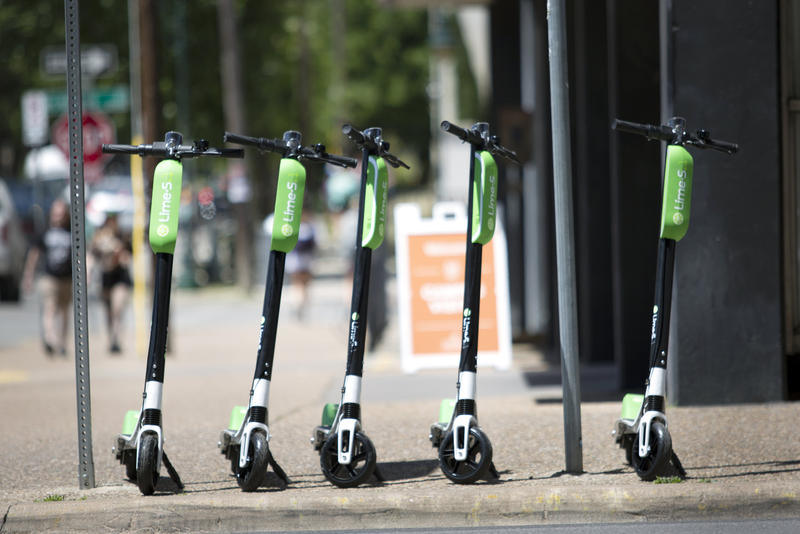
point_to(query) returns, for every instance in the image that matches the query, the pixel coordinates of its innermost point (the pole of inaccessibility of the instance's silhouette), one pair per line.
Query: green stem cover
(677, 201)
(165, 205)
(375, 203)
(288, 205)
(484, 198)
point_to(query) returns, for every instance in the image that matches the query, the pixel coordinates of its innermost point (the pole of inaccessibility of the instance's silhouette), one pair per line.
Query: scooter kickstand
(493, 471)
(278, 469)
(377, 473)
(677, 464)
(173, 474)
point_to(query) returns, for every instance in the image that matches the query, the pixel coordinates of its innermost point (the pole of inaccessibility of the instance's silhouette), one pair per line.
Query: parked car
(13, 247)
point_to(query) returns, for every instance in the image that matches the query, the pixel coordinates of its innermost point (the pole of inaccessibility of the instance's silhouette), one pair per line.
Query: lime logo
(162, 230)
(467, 312)
(263, 320)
(677, 217)
(355, 316)
(655, 309)
(287, 230)
(491, 224)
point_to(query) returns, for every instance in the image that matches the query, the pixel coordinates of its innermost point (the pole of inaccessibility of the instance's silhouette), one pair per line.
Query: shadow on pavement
(394, 471)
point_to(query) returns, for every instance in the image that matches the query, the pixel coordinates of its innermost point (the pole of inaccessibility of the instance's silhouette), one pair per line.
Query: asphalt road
(763, 526)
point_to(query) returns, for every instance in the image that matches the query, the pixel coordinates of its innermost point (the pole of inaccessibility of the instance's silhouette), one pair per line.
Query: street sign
(114, 99)
(430, 288)
(35, 126)
(96, 60)
(97, 130)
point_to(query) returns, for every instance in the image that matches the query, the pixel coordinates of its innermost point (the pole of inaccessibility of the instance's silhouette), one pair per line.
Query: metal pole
(565, 238)
(85, 458)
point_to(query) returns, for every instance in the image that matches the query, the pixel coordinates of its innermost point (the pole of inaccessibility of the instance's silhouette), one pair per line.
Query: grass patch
(704, 480)
(53, 497)
(668, 480)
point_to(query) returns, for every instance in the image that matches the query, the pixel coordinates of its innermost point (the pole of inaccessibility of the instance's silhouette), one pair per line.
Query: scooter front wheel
(651, 465)
(361, 466)
(252, 475)
(146, 472)
(477, 463)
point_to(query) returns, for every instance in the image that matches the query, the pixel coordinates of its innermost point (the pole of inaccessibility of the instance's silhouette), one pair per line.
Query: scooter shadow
(781, 466)
(400, 471)
(394, 473)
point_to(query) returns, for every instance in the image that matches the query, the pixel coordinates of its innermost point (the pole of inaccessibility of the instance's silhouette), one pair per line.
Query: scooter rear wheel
(650, 466)
(361, 466)
(477, 464)
(252, 475)
(146, 466)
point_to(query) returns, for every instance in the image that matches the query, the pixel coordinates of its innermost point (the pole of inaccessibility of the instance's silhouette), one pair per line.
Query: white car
(12, 247)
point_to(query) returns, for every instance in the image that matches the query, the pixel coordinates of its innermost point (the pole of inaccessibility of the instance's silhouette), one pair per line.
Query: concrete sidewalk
(742, 461)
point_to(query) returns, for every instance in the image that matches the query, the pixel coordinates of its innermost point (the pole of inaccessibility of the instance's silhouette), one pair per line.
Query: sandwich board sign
(430, 255)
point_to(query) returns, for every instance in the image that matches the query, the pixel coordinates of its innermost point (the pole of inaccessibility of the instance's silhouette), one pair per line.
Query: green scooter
(140, 446)
(246, 440)
(642, 429)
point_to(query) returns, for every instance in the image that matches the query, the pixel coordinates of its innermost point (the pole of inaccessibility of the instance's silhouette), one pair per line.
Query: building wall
(725, 342)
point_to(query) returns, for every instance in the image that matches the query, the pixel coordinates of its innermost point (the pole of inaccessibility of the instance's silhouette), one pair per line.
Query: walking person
(298, 260)
(54, 246)
(111, 251)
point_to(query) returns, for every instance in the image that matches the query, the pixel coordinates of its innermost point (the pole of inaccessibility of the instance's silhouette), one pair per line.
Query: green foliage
(53, 497)
(668, 480)
(309, 65)
(26, 28)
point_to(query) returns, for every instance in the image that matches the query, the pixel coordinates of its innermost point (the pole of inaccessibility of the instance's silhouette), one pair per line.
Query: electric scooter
(347, 456)
(465, 452)
(140, 447)
(246, 441)
(642, 429)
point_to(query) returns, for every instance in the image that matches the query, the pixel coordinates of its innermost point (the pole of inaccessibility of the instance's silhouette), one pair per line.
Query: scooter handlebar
(354, 134)
(317, 153)
(272, 145)
(381, 150)
(702, 139)
(650, 131)
(468, 136)
(179, 151)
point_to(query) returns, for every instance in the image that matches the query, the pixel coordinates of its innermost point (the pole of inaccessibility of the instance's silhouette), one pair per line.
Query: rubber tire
(362, 463)
(253, 474)
(479, 458)
(651, 466)
(146, 466)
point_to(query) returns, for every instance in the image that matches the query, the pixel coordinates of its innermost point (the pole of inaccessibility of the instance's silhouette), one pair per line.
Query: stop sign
(97, 129)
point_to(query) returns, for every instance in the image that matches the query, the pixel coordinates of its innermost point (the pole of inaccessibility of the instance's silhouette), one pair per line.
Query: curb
(486, 505)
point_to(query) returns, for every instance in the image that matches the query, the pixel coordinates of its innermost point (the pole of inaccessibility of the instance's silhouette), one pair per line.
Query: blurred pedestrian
(111, 251)
(55, 283)
(298, 260)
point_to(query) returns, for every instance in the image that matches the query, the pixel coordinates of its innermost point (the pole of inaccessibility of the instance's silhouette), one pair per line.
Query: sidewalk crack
(5, 517)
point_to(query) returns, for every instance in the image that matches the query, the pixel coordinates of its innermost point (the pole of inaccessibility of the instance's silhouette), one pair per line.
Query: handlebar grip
(451, 128)
(354, 134)
(506, 153)
(230, 152)
(120, 149)
(469, 136)
(343, 161)
(260, 142)
(650, 131)
(723, 146)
